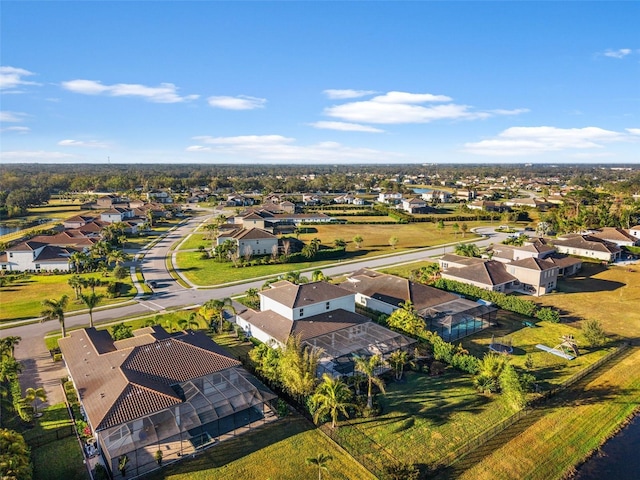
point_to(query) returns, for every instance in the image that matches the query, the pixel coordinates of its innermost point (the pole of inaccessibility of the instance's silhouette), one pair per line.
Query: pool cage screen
(458, 318)
(215, 407)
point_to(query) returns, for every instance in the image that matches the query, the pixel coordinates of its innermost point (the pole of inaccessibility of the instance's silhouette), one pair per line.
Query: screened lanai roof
(206, 399)
(450, 313)
(365, 339)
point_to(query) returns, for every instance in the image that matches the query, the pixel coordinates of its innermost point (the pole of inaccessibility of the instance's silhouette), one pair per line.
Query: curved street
(40, 370)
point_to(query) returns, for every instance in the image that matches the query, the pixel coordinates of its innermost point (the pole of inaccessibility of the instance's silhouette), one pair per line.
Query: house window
(4, 267)
(301, 312)
(37, 266)
(10, 254)
(327, 305)
(257, 242)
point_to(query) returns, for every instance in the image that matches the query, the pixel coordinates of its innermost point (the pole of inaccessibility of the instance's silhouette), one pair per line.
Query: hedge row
(506, 302)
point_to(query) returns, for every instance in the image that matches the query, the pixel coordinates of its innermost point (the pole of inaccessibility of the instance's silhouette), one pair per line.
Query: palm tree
(118, 257)
(368, 366)
(190, 322)
(467, 250)
(92, 283)
(297, 367)
(398, 360)
(32, 395)
(8, 346)
(9, 369)
(91, 301)
(319, 276)
(78, 259)
(320, 461)
(215, 308)
(76, 282)
(295, 277)
(331, 398)
(55, 309)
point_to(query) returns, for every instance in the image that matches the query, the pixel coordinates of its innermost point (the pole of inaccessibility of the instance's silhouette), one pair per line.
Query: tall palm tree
(52, 308)
(92, 283)
(332, 397)
(298, 364)
(214, 310)
(118, 257)
(295, 277)
(319, 276)
(368, 367)
(91, 301)
(32, 395)
(191, 322)
(320, 461)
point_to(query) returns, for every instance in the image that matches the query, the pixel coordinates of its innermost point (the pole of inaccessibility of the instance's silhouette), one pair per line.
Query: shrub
(548, 314)
(437, 368)
(594, 333)
(57, 357)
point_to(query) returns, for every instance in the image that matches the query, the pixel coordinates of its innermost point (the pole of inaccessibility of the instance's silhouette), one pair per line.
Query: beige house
(587, 246)
(534, 276)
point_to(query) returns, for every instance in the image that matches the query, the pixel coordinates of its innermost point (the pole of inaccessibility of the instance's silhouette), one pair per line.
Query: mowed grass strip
(578, 422)
(22, 299)
(277, 451)
(196, 240)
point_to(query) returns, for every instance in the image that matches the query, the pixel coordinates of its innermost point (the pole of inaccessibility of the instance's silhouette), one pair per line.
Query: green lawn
(195, 240)
(277, 451)
(423, 419)
(55, 458)
(23, 299)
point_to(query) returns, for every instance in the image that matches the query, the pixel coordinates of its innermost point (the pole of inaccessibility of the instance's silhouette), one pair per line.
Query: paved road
(39, 370)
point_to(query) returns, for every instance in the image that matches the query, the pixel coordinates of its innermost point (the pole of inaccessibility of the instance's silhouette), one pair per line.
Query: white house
(253, 240)
(38, 256)
(115, 215)
(587, 246)
(437, 196)
(635, 231)
(413, 205)
(393, 198)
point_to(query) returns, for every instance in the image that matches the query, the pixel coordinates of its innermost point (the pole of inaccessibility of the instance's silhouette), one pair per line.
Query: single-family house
(36, 256)
(323, 316)
(587, 246)
(445, 313)
(635, 232)
(437, 196)
(77, 221)
(534, 276)
(116, 214)
(390, 198)
(619, 236)
(250, 241)
(414, 205)
(176, 394)
(489, 275)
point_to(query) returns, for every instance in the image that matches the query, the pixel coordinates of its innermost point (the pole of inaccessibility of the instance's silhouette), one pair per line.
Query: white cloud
(82, 143)
(405, 97)
(13, 117)
(404, 107)
(515, 111)
(344, 94)
(633, 131)
(165, 93)
(345, 127)
(620, 53)
(21, 130)
(279, 148)
(11, 77)
(535, 140)
(241, 102)
(30, 156)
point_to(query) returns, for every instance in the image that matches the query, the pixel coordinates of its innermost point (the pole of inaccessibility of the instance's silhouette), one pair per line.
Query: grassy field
(608, 294)
(423, 419)
(572, 426)
(195, 240)
(277, 452)
(23, 299)
(376, 242)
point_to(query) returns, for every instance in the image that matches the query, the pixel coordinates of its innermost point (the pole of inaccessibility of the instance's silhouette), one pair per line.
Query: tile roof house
(176, 393)
(445, 313)
(33, 255)
(414, 205)
(489, 275)
(587, 246)
(619, 236)
(635, 231)
(250, 241)
(323, 316)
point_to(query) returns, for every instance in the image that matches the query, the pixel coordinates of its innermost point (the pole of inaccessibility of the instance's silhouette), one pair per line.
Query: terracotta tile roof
(29, 245)
(296, 296)
(460, 259)
(394, 290)
(118, 382)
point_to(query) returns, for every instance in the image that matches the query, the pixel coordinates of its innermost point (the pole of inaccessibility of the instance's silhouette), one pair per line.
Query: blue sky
(320, 82)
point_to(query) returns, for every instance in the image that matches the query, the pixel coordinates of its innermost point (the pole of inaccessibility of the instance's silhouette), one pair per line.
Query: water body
(4, 230)
(618, 457)
(421, 190)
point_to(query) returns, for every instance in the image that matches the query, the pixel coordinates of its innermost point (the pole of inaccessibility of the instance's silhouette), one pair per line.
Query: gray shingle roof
(296, 296)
